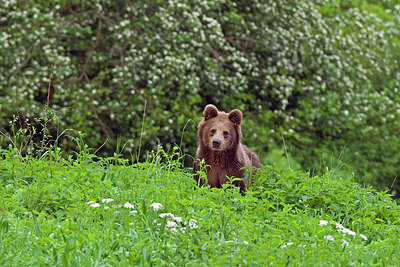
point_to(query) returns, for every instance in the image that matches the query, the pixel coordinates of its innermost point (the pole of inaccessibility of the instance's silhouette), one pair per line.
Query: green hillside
(322, 74)
(89, 210)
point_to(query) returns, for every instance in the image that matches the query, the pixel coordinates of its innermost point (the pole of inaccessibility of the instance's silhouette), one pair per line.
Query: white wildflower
(128, 206)
(91, 202)
(323, 222)
(344, 243)
(364, 237)
(156, 206)
(329, 237)
(171, 224)
(133, 212)
(192, 224)
(162, 215)
(106, 207)
(177, 219)
(95, 205)
(174, 230)
(338, 225)
(288, 244)
(107, 200)
(245, 242)
(131, 223)
(346, 231)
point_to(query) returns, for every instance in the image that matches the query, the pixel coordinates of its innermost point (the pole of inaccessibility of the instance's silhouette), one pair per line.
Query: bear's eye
(212, 132)
(226, 133)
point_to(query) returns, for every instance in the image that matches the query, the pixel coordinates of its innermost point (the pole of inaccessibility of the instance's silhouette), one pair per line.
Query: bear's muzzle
(216, 143)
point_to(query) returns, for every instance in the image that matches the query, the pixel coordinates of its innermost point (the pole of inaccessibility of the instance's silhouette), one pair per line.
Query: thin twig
(391, 187)
(19, 118)
(13, 144)
(287, 156)
(141, 131)
(46, 110)
(100, 147)
(48, 89)
(155, 164)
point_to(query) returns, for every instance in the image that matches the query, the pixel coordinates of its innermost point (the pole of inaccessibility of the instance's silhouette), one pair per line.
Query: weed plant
(85, 210)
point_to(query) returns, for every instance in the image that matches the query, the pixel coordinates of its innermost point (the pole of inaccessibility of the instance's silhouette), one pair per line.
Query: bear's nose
(216, 143)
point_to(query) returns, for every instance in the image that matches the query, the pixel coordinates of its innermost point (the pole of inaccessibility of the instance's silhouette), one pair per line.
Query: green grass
(45, 218)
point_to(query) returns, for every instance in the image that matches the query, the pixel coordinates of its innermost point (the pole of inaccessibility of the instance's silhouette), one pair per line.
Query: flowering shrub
(324, 74)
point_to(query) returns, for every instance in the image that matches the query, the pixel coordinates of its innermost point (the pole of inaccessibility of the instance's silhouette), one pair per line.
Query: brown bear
(220, 147)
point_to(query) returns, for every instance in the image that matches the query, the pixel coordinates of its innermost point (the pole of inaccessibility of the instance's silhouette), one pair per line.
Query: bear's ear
(235, 116)
(210, 111)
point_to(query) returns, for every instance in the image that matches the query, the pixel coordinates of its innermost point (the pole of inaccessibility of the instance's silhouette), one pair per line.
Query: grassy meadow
(92, 211)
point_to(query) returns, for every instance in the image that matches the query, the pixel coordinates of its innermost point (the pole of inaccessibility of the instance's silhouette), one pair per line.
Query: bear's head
(220, 131)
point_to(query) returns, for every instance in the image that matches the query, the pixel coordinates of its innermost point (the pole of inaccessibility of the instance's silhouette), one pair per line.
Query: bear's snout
(216, 143)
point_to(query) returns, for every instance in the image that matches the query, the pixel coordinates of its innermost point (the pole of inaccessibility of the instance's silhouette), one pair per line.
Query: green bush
(322, 74)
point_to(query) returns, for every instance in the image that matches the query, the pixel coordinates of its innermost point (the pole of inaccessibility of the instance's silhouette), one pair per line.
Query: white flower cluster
(127, 205)
(93, 204)
(288, 244)
(344, 230)
(177, 219)
(176, 222)
(156, 206)
(329, 237)
(323, 222)
(340, 229)
(107, 200)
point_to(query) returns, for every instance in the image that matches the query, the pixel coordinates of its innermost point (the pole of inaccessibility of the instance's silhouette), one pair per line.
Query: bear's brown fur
(219, 135)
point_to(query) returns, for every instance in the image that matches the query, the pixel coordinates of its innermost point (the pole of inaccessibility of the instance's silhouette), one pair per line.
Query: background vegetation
(323, 74)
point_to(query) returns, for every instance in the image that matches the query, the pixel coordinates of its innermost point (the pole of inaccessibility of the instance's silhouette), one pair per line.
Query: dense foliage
(323, 74)
(83, 212)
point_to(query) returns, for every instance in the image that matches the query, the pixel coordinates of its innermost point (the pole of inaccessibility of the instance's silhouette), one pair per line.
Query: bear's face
(219, 134)
(220, 131)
